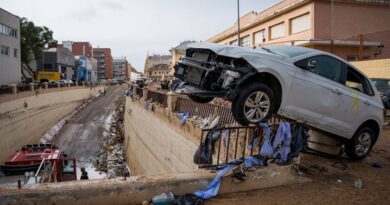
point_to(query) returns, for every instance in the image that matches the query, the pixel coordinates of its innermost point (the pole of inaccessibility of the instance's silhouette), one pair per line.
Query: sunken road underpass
(84, 135)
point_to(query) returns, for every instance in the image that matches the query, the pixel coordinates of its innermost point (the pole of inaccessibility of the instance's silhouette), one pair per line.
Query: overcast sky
(133, 27)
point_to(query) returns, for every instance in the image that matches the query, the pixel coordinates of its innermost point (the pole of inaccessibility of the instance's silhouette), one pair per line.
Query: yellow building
(374, 68)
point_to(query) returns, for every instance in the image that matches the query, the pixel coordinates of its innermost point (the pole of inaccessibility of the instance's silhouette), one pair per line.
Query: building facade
(158, 72)
(351, 29)
(120, 68)
(79, 48)
(104, 62)
(10, 63)
(58, 60)
(155, 60)
(83, 69)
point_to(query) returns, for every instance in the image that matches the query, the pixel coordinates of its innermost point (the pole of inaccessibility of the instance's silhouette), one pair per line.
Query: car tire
(361, 143)
(200, 99)
(254, 104)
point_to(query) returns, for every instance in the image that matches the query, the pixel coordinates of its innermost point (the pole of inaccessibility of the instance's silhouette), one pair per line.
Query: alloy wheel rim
(363, 144)
(257, 106)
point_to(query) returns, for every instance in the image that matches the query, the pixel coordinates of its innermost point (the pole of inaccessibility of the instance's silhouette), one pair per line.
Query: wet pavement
(82, 136)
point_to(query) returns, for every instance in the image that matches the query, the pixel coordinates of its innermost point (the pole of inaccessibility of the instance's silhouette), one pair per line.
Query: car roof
(290, 51)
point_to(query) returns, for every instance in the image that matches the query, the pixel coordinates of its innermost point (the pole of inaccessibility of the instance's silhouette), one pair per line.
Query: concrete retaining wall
(21, 125)
(136, 189)
(153, 146)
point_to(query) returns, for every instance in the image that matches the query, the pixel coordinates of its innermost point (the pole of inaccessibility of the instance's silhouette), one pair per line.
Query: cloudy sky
(131, 28)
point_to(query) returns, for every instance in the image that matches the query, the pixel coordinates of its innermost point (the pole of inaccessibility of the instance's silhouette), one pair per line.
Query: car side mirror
(311, 65)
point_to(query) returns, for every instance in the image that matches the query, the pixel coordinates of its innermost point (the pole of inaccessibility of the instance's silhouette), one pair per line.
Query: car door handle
(337, 91)
(366, 102)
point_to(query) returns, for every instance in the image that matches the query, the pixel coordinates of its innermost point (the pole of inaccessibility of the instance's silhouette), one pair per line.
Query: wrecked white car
(298, 83)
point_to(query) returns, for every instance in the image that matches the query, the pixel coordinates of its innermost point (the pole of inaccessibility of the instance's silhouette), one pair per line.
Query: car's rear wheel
(361, 143)
(200, 99)
(254, 104)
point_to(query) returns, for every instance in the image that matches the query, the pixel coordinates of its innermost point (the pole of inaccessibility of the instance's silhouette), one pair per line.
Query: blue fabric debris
(282, 143)
(213, 187)
(183, 117)
(267, 149)
(146, 105)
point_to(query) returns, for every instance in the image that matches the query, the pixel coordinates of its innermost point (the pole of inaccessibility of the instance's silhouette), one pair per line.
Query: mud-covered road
(82, 137)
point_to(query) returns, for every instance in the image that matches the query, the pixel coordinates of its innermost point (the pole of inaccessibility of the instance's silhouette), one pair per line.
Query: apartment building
(79, 48)
(120, 68)
(351, 29)
(104, 62)
(10, 63)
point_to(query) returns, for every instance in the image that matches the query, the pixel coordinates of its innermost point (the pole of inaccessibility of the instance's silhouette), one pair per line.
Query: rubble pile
(112, 159)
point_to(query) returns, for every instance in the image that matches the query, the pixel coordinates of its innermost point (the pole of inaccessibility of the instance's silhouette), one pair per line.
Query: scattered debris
(112, 158)
(376, 165)
(358, 183)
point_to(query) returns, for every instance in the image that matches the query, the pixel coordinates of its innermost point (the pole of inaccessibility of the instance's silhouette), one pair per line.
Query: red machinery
(46, 161)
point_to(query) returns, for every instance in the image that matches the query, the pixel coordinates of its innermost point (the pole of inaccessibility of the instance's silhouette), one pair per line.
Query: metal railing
(204, 110)
(236, 142)
(158, 97)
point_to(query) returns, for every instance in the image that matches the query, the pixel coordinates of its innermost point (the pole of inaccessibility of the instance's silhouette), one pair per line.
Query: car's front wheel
(200, 99)
(361, 143)
(254, 104)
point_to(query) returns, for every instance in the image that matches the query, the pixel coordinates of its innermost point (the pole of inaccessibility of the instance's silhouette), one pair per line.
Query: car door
(315, 96)
(356, 99)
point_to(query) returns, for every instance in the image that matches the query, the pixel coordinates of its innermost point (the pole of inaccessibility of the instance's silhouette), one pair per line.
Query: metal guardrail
(204, 110)
(158, 97)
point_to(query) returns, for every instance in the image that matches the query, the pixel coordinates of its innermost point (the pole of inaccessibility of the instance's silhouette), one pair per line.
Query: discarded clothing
(146, 105)
(266, 149)
(299, 141)
(206, 148)
(183, 117)
(213, 187)
(282, 143)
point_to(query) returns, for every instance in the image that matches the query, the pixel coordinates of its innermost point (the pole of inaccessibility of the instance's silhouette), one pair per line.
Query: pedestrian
(84, 174)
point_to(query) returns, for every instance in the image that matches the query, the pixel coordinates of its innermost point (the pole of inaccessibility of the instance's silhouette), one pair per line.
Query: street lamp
(238, 23)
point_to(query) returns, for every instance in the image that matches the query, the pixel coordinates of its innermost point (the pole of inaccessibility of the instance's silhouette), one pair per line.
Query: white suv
(299, 83)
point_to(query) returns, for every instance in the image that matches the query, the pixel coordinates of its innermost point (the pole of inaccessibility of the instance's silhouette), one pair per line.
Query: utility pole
(332, 28)
(238, 23)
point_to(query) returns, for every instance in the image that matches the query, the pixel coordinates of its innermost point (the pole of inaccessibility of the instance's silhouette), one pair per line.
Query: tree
(33, 40)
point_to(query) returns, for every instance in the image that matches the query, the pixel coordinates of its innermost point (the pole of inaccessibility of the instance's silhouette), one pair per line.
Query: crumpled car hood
(252, 56)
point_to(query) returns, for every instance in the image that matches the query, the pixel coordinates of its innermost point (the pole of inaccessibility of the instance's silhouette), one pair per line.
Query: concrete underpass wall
(20, 125)
(153, 146)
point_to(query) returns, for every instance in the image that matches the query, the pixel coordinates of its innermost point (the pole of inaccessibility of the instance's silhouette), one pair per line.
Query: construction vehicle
(40, 163)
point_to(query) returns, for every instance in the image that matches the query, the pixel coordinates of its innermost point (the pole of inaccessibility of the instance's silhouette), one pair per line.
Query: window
(245, 41)
(358, 82)
(300, 23)
(15, 52)
(234, 43)
(8, 31)
(276, 31)
(4, 50)
(260, 37)
(324, 66)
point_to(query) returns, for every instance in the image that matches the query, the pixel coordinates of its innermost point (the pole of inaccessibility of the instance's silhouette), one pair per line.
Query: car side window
(358, 82)
(323, 65)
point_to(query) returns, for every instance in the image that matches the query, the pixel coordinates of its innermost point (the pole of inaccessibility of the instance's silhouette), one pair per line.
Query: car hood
(251, 55)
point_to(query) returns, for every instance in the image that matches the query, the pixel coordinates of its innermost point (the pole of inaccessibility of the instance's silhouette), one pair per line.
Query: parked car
(383, 86)
(298, 83)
